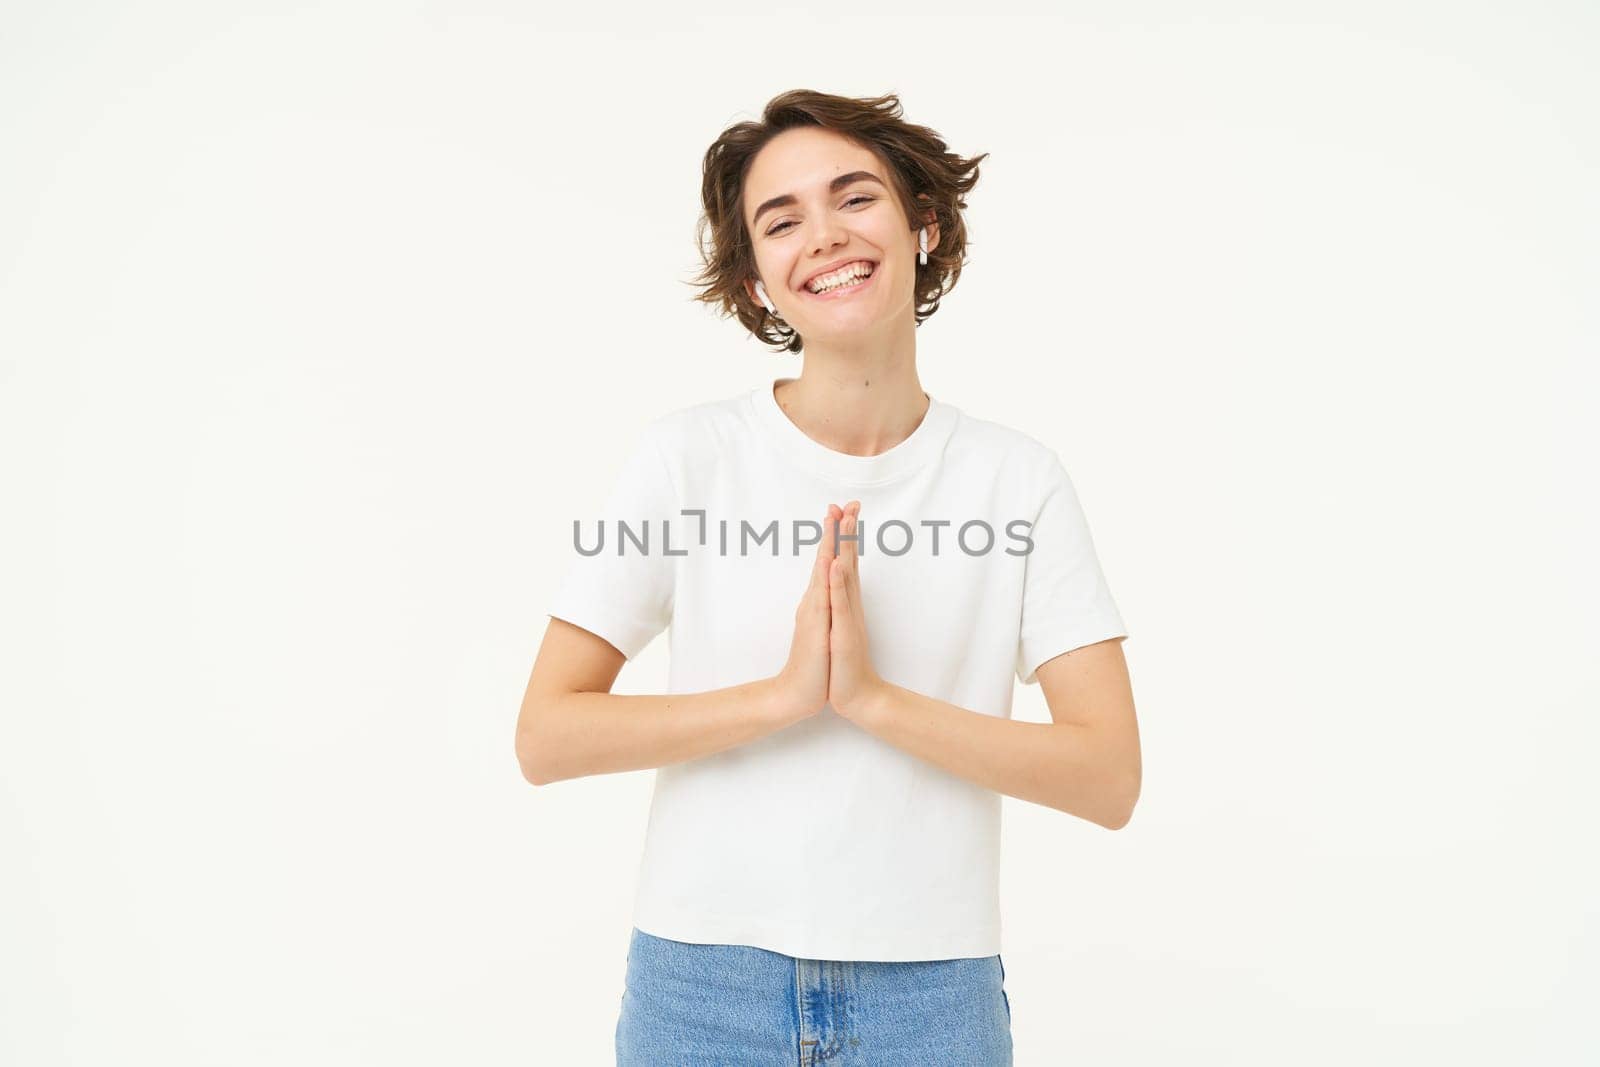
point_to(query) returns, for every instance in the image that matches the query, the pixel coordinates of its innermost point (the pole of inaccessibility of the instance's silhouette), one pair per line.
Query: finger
(852, 570)
(851, 550)
(820, 576)
(822, 553)
(825, 544)
(819, 566)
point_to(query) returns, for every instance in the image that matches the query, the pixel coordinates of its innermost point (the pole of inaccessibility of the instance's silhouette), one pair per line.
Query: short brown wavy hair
(921, 169)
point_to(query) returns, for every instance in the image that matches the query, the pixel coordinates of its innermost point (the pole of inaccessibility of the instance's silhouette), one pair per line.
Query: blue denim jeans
(741, 1006)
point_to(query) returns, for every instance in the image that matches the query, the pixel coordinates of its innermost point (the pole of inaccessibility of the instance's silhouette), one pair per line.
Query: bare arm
(1085, 763)
(572, 725)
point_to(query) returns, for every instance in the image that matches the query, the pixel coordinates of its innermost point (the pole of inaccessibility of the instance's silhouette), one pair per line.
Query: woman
(854, 575)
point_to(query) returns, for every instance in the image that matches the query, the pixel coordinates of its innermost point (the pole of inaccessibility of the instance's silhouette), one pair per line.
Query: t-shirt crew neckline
(919, 448)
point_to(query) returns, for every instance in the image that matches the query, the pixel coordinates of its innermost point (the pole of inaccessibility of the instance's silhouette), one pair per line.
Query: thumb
(838, 589)
(819, 567)
(817, 588)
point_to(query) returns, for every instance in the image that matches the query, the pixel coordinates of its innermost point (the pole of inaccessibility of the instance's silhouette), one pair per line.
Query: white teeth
(837, 285)
(845, 276)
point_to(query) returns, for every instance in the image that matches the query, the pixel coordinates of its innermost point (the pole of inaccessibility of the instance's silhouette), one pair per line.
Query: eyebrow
(833, 187)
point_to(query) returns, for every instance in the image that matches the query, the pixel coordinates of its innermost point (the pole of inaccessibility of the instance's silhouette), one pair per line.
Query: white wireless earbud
(761, 294)
(922, 243)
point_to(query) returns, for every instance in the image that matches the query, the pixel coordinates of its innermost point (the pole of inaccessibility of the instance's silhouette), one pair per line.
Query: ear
(750, 291)
(930, 219)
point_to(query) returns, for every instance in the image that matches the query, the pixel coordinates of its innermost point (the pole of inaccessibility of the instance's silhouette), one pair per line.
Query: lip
(835, 265)
(842, 294)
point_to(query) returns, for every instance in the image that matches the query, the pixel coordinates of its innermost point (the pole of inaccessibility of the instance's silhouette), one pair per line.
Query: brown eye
(790, 222)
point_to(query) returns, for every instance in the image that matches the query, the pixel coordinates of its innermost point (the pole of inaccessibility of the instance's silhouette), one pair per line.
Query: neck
(860, 398)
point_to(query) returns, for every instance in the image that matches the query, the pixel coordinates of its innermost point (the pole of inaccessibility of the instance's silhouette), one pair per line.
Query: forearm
(1061, 765)
(579, 734)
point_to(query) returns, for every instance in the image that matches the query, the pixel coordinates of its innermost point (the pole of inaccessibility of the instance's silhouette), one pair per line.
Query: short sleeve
(1066, 602)
(624, 592)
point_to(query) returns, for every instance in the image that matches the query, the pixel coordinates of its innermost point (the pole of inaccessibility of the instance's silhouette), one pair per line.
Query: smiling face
(816, 202)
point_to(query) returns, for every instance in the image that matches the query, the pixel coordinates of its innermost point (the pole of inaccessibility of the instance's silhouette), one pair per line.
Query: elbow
(1118, 819)
(535, 746)
(528, 759)
(1125, 797)
(540, 751)
(533, 752)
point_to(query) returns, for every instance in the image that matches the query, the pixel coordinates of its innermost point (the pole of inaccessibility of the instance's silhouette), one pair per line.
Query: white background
(319, 323)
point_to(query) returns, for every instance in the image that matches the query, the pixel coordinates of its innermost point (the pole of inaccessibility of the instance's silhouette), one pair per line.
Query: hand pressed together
(803, 682)
(851, 678)
(829, 661)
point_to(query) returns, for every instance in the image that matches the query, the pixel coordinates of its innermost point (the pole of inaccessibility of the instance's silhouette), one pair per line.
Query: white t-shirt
(820, 840)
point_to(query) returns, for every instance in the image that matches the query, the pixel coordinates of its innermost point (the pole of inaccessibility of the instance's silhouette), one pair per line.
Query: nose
(827, 233)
